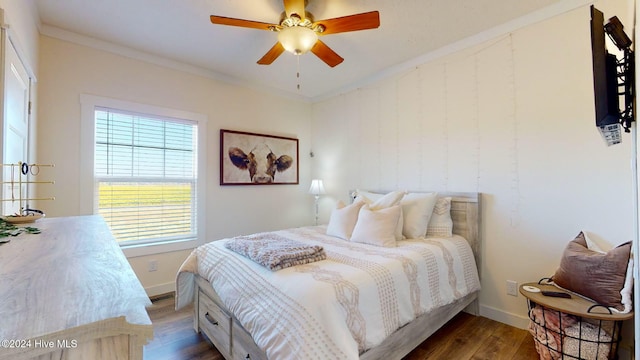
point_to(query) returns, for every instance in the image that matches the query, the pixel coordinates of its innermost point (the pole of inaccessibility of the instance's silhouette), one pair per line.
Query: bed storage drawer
(244, 347)
(215, 323)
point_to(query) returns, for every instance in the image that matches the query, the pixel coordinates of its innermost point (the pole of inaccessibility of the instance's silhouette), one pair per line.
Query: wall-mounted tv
(611, 78)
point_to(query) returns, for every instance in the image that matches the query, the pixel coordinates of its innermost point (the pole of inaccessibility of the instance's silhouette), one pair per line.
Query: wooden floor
(464, 337)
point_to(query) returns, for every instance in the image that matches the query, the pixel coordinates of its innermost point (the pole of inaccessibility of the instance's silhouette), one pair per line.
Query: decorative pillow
(596, 275)
(377, 227)
(343, 219)
(441, 224)
(416, 213)
(627, 289)
(382, 201)
(368, 194)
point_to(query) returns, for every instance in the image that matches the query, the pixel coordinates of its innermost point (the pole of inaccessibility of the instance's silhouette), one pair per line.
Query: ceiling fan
(298, 32)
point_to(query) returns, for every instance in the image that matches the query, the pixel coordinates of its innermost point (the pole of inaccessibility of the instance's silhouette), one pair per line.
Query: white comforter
(335, 308)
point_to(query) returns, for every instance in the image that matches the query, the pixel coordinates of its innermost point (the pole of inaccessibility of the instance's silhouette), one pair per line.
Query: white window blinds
(145, 175)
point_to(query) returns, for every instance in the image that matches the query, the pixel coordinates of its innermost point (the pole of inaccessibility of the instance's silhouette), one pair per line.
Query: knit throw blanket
(275, 252)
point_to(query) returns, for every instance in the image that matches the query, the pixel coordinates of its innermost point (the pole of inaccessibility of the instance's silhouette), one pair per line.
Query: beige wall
(23, 24)
(68, 70)
(511, 118)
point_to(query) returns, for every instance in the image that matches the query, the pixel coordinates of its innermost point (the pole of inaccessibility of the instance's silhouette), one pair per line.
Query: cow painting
(253, 159)
(261, 163)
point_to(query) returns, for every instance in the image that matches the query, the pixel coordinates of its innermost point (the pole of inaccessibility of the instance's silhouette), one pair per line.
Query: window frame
(88, 105)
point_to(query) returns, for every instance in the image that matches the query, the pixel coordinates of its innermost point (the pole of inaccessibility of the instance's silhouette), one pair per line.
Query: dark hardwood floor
(464, 337)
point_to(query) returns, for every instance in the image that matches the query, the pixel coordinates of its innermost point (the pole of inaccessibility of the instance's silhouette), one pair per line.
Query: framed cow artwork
(257, 159)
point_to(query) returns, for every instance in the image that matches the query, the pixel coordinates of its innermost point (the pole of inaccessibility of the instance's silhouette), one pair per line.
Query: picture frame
(257, 159)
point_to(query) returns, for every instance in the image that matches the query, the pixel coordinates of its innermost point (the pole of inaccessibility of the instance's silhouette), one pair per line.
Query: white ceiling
(180, 30)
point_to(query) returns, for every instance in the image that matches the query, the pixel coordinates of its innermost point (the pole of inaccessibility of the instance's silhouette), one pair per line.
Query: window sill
(131, 251)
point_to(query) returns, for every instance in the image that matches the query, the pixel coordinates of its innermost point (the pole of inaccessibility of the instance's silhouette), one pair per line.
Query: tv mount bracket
(625, 70)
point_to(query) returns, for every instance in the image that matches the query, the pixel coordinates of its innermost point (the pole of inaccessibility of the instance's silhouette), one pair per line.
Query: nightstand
(571, 328)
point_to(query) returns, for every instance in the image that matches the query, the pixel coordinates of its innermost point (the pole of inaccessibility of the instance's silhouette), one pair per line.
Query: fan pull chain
(298, 71)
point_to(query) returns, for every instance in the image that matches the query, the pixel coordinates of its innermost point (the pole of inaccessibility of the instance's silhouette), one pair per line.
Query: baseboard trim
(515, 320)
(161, 289)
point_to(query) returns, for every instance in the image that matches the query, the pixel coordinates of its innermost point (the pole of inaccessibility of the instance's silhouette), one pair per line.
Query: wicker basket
(563, 336)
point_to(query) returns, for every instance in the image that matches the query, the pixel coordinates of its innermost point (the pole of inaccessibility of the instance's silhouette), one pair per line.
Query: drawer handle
(211, 320)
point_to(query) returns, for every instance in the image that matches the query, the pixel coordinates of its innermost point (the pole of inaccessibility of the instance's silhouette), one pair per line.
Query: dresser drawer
(244, 348)
(215, 323)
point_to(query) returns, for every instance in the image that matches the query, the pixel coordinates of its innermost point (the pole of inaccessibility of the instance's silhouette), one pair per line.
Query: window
(145, 173)
(140, 167)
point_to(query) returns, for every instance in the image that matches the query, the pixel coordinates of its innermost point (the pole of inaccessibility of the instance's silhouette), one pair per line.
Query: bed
(339, 318)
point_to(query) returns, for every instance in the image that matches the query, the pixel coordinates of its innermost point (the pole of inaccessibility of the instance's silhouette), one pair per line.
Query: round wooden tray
(22, 219)
(576, 305)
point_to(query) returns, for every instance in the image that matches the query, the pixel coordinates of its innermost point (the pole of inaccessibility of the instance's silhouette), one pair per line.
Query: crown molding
(474, 40)
(90, 42)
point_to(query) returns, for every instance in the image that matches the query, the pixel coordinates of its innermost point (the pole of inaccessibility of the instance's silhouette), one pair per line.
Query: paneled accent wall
(512, 118)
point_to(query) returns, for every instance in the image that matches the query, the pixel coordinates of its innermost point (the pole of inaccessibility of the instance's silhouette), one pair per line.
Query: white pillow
(380, 201)
(416, 213)
(627, 290)
(377, 227)
(369, 195)
(441, 224)
(343, 219)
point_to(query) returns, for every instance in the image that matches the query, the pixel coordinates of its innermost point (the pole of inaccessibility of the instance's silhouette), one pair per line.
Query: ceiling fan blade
(325, 54)
(363, 21)
(221, 20)
(272, 54)
(294, 7)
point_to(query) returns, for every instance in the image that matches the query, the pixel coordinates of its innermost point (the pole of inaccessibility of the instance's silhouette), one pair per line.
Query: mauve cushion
(598, 276)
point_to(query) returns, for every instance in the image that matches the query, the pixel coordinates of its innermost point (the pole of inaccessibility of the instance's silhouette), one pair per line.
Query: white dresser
(69, 293)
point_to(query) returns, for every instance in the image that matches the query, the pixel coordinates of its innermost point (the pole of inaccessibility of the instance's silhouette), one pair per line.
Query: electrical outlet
(512, 288)
(153, 265)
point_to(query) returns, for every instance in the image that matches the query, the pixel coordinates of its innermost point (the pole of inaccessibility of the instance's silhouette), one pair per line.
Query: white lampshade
(297, 39)
(317, 187)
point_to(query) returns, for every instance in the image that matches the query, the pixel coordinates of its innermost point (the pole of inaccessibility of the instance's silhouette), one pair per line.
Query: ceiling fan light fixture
(297, 39)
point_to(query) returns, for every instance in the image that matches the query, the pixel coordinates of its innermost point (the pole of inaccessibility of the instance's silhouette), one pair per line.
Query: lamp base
(317, 197)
